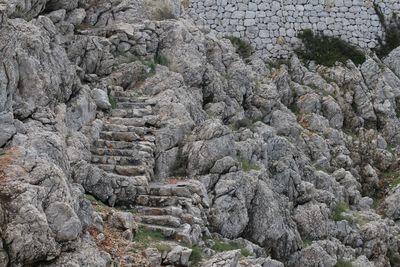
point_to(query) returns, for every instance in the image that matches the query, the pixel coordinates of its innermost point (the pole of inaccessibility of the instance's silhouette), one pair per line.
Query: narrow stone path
(126, 152)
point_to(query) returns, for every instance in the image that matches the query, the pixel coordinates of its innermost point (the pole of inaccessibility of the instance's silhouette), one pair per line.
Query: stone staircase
(176, 210)
(125, 153)
(126, 145)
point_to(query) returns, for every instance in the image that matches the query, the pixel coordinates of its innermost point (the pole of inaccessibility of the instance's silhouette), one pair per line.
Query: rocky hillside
(132, 137)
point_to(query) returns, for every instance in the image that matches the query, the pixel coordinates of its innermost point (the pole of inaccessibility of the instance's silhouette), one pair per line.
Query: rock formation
(132, 137)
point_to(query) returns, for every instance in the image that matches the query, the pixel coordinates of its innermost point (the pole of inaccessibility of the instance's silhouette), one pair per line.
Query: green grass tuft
(243, 48)
(343, 263)
(326, 50)
(2, 152)
(161, 60)
(113, 102)
(337, 213)
(248, 166)
(162, 247)
(196, 256)
(220, 246)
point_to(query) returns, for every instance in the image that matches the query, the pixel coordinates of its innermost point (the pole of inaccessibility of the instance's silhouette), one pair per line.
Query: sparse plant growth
(146, 237)
(84, 27)
(161, 60)
(97, 204)
(248, 166)
(391, 29)
(160, 9)
(235, 126)
(391, 178)
(307, 242)
(337, 213)
(2, 152)
(196, 256)
(163, 247)
(343, 263)
(243, 48)
(220, 246)
(113, 102)
(326, 50)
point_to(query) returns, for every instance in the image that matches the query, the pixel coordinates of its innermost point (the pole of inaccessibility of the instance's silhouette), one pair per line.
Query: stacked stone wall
(272, 26)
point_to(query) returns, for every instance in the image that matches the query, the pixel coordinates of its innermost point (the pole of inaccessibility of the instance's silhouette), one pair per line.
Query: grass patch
(337, 213)
(162, 247)
(248, 166)
(327, 50)
(220, 246)
(97, 204)
(2, 152)
(391, 28)
(145, 237)
(113, 102)
(243, 48)
(196, 256)
(392, 178)
(307, 243)
(343, 263)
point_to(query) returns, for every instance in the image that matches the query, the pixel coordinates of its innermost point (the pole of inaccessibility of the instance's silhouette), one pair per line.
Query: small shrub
(196, 256)
(248, 166)
(162, 247)
(326, 50)
(160, 9)
(243, 48)
(145, 237)
(307, 243)
(235, 126)
(391, 28)
(337, 213)
(113, 102)
(161, 60)
(343, 263)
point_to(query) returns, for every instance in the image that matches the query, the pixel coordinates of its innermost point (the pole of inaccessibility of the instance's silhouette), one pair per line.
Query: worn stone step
(126, 104)
(125, 170)
(122, 181)
(162, 220)
(121, 160)
(169, 210)
(162, 201)
(120, 136)
(136, 154)
(139, 145)
(131, 113)
(141, 131)
(168, 232)
(144, 121)
(169, 190)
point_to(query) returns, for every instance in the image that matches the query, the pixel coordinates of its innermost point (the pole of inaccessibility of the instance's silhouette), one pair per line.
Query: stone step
(168, 232)
(131, 113)
(162, 201)
(145, 121)
(121, 160)
(136, 154)
(126, 170)
(146, 146)
(126, 104)
(120, 136)
(169, 190)
(128, 93)
(125, 181)
(109, 127)
(169, 210)
(162, 220)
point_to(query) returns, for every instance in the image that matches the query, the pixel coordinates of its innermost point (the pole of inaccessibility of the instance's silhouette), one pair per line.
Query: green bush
(326, 50)
(391, 28)
(343, 263)
(162, 247)
(243, 48)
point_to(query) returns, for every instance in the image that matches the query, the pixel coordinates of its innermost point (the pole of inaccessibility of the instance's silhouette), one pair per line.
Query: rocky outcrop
(174, 136)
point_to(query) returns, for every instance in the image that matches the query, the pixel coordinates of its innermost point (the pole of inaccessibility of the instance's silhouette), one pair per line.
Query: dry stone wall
(272, 26)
